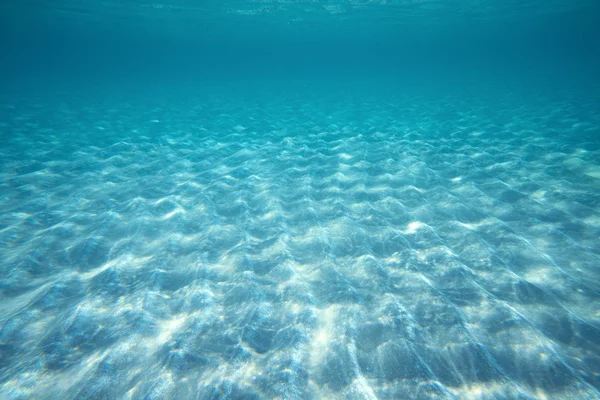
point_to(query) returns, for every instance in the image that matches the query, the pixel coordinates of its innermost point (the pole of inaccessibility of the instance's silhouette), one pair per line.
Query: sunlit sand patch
(167, 329)
(334, 190)
(592, 221)
(475, 226)
(278, 248)
(269, 216)
(340, 227)
(434, 252)
(541, 275)
(573, 162)
(488, 390)
(476, 313)
(414, 226)
(228, 263)
(394, 259)
(305, 270)
(345, 167)
(325, 335)
(361, 164)
(294, 307)
(594, 172)
(378, 189)
(538, 195)
(360, 387)
(169, 215)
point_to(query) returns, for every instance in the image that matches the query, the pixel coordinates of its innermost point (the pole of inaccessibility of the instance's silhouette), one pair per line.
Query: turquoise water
(266, 199)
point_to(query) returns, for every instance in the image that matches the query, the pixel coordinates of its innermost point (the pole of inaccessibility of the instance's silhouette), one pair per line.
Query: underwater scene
(285, 199)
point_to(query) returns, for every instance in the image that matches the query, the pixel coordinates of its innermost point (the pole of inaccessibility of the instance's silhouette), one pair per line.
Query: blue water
(352, 199)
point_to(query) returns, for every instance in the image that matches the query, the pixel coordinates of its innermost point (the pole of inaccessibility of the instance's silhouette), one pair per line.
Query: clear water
(300, 200)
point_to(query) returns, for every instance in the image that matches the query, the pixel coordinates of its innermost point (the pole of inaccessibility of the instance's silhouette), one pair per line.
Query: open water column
(300, 199)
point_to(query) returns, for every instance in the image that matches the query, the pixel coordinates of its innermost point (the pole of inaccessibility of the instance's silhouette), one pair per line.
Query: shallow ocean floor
(213, 245)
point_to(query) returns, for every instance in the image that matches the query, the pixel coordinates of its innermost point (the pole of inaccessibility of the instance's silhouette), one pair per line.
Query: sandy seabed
(213, 246)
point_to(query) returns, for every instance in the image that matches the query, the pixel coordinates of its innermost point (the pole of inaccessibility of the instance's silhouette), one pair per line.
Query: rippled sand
(222, 246)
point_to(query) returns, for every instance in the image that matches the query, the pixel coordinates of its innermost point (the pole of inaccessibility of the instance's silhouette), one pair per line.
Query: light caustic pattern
(414, 248)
